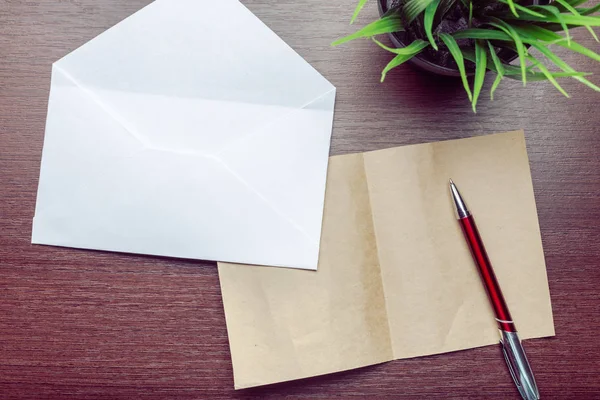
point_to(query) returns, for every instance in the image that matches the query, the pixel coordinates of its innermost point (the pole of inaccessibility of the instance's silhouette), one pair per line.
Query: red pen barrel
(486, 272)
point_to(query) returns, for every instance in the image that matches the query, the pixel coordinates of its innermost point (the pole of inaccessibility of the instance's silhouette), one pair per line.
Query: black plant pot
(399, 40)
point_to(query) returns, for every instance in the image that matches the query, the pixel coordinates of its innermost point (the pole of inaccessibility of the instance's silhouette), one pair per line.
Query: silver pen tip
(459, 205)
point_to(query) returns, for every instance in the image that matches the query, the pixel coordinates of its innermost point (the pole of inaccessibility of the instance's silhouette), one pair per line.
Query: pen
(510, 343)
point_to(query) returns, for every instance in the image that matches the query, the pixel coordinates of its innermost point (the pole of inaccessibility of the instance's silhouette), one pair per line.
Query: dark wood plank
(83, 324)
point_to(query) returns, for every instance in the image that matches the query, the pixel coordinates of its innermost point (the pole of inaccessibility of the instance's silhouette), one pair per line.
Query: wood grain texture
(84, 324)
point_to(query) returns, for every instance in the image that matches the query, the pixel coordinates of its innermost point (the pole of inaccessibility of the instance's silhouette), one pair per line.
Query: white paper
(187, 130)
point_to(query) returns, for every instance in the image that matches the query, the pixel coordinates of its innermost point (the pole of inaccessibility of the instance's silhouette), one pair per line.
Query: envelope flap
(204, 71)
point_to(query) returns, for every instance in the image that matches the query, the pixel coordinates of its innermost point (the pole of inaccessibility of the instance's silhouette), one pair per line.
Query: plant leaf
(582, 20)
(551, 26)
(499, 70)
(559, 17)
(563, 65)
(396, 61)
(567, 7)
(588, 11)
(576, 47)
(570, 8)
(428, 21)
(524, 9)
(392, 23)
(359, 6)
(513, 72)
(537, 32)
(530, 33)
(444, 8)
(576, 3)
(460, 62)
(470, 14)
(413, 8)
(480, 68)
(402, 55)
(413, 48)
(509, 30)
(511, 5)
(547, 73)
(478, 33)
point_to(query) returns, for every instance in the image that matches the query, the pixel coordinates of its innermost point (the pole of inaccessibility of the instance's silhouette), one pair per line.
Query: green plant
(488, 27)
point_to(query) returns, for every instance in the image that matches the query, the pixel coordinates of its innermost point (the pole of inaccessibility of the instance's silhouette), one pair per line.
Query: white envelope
(187, 130)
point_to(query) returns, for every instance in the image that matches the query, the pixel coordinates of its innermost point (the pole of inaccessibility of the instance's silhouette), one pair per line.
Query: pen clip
(518, 366)
(511, 368)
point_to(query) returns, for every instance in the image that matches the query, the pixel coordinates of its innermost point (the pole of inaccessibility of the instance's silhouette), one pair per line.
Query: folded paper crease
(395, 277)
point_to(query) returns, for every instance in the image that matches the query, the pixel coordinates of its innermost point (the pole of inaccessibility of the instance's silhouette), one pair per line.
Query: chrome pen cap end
(518, 365)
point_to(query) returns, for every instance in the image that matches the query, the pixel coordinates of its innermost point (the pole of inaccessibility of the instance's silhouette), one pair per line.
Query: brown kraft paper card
(395, 277)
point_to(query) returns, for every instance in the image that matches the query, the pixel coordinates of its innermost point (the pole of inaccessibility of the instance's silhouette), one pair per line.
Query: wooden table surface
(85, 324)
